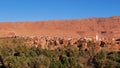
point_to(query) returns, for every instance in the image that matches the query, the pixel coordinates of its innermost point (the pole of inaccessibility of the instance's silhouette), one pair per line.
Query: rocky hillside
(104, 27)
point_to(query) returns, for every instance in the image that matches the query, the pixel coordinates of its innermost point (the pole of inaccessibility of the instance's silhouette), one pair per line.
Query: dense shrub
(14, 54)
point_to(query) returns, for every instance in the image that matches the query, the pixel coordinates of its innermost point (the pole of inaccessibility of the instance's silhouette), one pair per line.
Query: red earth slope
(104, 27)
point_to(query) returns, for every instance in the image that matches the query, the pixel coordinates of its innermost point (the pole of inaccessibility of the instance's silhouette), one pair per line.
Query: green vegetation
(14, 54)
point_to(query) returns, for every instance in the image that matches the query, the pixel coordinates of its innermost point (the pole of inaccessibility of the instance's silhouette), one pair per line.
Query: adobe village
(80, 43)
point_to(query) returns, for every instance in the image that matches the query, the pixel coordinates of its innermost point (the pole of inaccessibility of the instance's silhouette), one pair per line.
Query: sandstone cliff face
(104, 27)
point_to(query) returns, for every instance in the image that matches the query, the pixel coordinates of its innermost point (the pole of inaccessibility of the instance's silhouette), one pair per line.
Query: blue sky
(37, 10)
